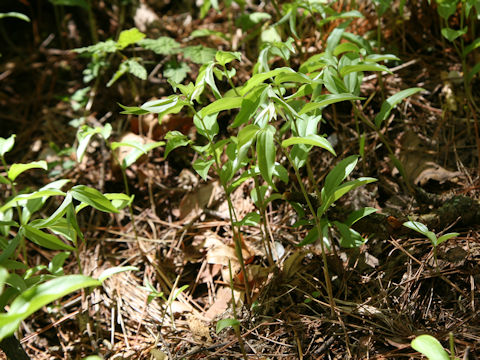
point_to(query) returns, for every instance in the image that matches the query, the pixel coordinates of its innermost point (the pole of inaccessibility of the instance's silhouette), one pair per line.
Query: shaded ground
(387, 291)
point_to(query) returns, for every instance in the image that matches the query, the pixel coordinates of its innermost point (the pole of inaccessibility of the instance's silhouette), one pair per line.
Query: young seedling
(422, 229)
(432, 349)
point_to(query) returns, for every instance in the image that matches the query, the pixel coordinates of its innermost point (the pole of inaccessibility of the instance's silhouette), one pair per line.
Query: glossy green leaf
(468, 49)
(266, 152)
(36, 297)
(451, 34)
(430, 347)
(345, 47)
(17, 15)
(363, 67)
(41, 238)
(129, 37)
(380, 57)
(6, 144)
(446, 237)
(17, 169)
(446, 8)
(251, 219)
(250, 103)
(327, 100)
(312, 139)
(339, 173)
(35, 195)
(175, 139)
(260, 78)
(92, 197)
(351, 185)
(392, 102)
(225, 57)
(202, 167)
(61, 210)
(349, 237)
(224, 323)
(226, 103)
(132, 110)
(162, 105)
(356, 215)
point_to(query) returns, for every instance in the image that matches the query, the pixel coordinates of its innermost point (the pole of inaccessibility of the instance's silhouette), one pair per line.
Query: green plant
(422, 229)
(85, 134)
(432, 349)
(24, 288)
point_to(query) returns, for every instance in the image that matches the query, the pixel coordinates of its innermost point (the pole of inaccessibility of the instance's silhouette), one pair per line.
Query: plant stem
(234, 310)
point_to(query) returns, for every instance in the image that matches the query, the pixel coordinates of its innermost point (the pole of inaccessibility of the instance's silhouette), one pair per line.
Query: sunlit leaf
(224, 323)
(93, 198)
(312, 139)
(430, 347)
(393, 101)
(17, 169)
(129, 37)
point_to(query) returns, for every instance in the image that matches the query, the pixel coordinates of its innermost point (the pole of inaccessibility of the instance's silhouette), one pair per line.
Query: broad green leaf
(250, 103)
(251, 219)
(199, 54)
(333, 82)
(207, 126)
(345, 47)
(226, 103)
(115, 270)
(129, 37)
(292, 77)
(6, 144)
(41, 238)
(55, 266)
(109, 46)
(10, 249)
(356, 215)
(38, 296)
(451, 34)
(380, 57)
(312, 139)
(119, 200)
(349, 237)
(210, 79)
(266, 152)
(430, 347)
(393, 101)
(17, 169)
(446, 237)
(136, 69)
(202, 167)
(260, 78)
(363, 67)
(416, 226)
(175, 140)
(93, 198)
(351, 185)
(163, 45)
(224, 323)
(176, 71)
(163, 106)
(446, 8)
(132, 110)
(327, 100)
(336, 176)
(225, 57)
(16, 15)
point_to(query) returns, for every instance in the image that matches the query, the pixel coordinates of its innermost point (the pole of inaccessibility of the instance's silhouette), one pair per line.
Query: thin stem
(230, 80)
(234, 309)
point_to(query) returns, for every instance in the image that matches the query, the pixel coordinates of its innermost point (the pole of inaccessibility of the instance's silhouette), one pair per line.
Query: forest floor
(387, 291)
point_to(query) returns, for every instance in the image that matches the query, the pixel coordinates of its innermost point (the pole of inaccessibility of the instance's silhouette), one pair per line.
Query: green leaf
(475, 70)
(129, 37)
(451, 34)
(250, 103)
(380, 57)
(393, 101)
(93, 198)
(327, 100)
(468, 49)
(61, 210)
(15, 15)
(430, 347)
(446, 237)
(35, 195)
(312, 139)
(224, 323)
(36, 297)
(163, 106)
(351, 185)
(122, 69)
(226, 103)
(140, 149)
(417, 226)
(99, 48)
(17, 169)
(176, 71)
(347, 69)
(225, 57)
(41, 238)
(175, 140)
(6, 144)
(251, 219)
(266, 152)
(115, 270)
(202, 167)
(80, 3)
(349, 237)
(207, 126)
(345, 47)
(446, 8)
(246, 136)
(136, 69)
(356, 215)
(260, 78)
(163, 45)
(336, 176)
(119, 200)
(199, 54)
